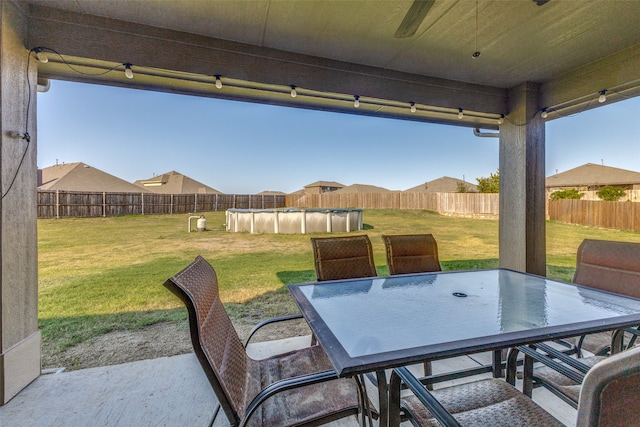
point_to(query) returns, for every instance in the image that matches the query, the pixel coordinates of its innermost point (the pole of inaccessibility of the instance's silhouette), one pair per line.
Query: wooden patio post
(522, 180)
(19, 335)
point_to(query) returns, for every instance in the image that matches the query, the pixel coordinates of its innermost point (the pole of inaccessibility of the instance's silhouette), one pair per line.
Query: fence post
(57, 204)
(216, 209)
(195, 202)
(104, 204)
(142, 203)
(171, 204)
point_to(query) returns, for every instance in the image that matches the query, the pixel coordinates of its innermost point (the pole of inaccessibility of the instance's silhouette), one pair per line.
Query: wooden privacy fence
(59, 204)
(618, 215)
(457, 203)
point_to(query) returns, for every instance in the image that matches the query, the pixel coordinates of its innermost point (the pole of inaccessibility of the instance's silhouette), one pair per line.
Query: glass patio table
(373, 324)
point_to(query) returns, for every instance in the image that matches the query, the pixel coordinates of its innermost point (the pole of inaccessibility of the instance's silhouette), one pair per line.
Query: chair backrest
(608, 265)
(215, 341)
(411, 253)
(611, 391)
(343, 257)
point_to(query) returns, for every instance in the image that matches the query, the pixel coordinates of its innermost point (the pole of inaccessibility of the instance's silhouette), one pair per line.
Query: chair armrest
(269, 321)
(422, 394)
(283, 385)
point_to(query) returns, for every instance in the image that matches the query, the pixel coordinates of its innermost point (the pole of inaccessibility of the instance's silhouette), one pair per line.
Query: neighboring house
(444, 184)
(322, 187)
(175, 183)
(361, 188)
(591, 177)
(82, 177)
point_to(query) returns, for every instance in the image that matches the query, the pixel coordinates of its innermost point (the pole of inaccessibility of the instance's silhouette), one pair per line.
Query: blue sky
(244, 148)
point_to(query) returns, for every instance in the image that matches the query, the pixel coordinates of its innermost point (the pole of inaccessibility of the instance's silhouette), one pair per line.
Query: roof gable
(173, 182)
(443, 184)
(591, 174)
(82, 177)
(361, 188)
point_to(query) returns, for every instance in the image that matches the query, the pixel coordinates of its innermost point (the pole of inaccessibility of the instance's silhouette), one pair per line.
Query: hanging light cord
(102, 73)
(25, 135)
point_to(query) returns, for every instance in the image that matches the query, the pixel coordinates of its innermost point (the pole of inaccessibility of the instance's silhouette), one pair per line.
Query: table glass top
(378, 315)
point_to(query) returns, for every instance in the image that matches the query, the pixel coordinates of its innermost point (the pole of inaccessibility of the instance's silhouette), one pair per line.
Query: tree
(490, 184)
(571, 193)
(462, 187)
(611, 193)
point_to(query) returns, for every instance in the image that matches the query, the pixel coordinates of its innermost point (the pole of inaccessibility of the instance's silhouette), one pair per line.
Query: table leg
(527, 376)
(497, 364)
(383, 398)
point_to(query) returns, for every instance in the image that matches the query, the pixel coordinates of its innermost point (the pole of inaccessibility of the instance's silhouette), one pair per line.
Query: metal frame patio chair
(602, 264)
(297, 388)
(411, 253)
(609, 397)
(486, 402)
(346, 257)
(610, 266)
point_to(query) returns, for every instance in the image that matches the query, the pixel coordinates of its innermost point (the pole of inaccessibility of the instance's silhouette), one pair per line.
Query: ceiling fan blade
(413, 18)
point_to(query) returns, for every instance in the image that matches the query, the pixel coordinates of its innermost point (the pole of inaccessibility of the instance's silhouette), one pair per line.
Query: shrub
(611, 193)
(462, 187)
(571, 193)
(490, 184)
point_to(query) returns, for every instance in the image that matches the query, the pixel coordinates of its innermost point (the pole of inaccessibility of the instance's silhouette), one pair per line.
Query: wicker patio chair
(486, 402)
(297, 388)
(610, 266)
(602, 264)
(608, 398)
(343, 257)
(611, 392)
(411, 253)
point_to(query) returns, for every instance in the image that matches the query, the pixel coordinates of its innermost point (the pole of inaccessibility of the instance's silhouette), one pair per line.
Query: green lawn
(97, 275)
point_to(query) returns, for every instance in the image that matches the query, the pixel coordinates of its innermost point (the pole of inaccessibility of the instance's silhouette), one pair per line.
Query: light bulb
(603, 97)
(293, 91)
(218, 82)
(128, 72)
(544, 114)
(41, 55)
(413, 107)
(460, 113)
(501, 119)
(356, 101)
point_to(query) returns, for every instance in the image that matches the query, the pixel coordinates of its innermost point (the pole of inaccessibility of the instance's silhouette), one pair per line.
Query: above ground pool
(294, 220)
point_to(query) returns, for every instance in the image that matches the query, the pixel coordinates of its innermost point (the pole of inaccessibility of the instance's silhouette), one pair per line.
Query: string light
(544, 113)
(603, 96)
(128, 72)
(41, 55)
(501, 119)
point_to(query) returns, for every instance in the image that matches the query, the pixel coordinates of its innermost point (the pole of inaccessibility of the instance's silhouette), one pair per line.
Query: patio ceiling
(333, 50)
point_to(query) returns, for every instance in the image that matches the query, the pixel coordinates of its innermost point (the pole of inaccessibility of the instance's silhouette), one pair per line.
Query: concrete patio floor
(168, 391)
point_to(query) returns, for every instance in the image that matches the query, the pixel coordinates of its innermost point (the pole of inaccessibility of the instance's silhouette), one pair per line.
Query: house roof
(82, 177)
(324, 184)
(175, 183)
(592, 174)
(271, 193)
(443, 184)
(360, 188)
